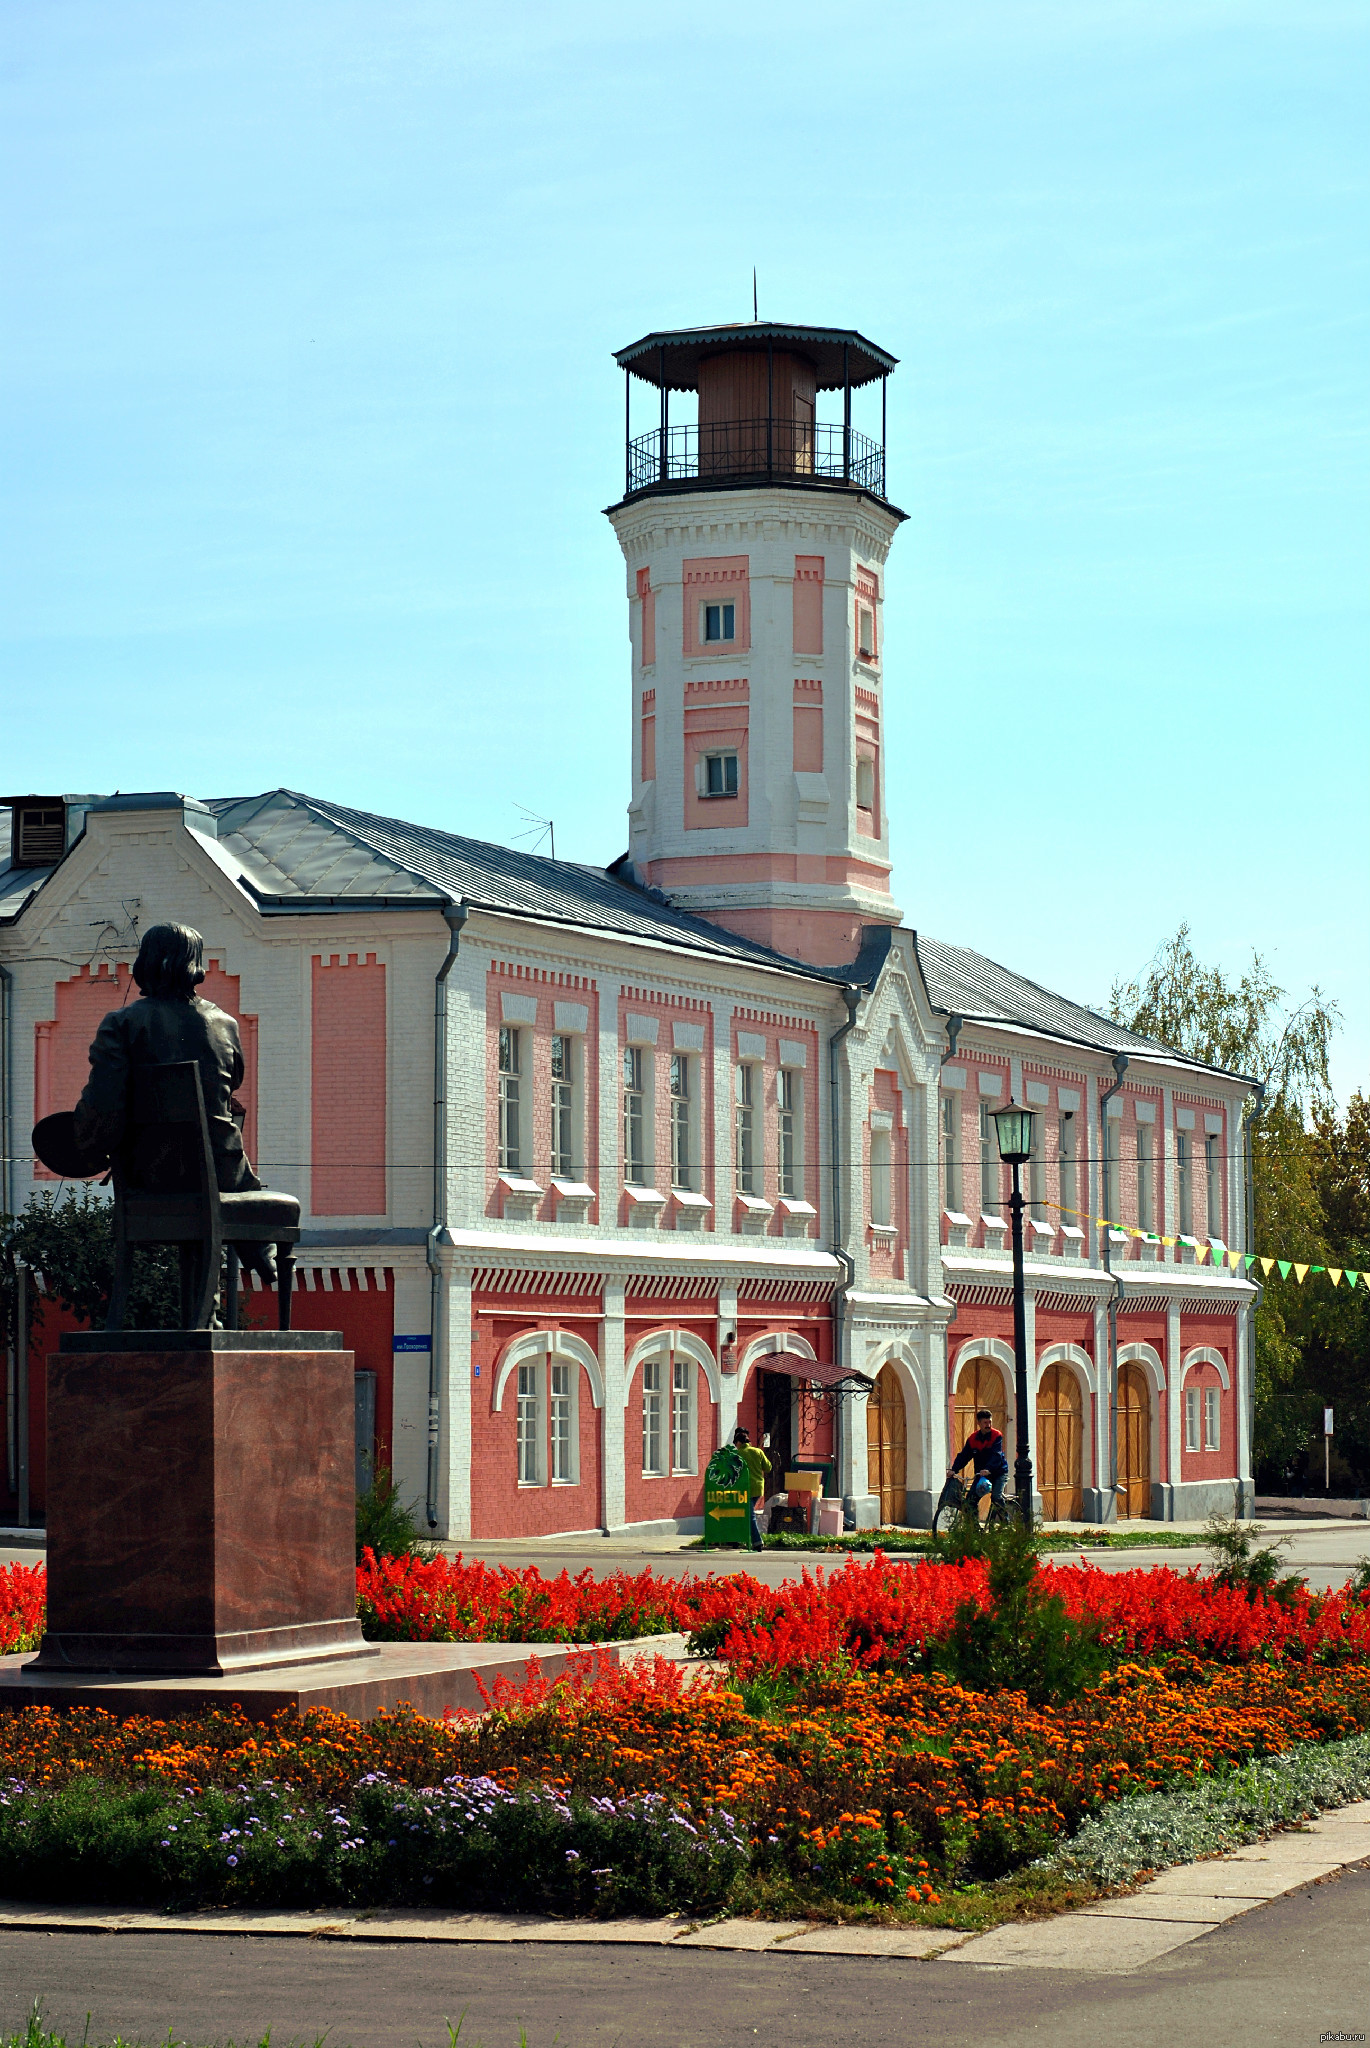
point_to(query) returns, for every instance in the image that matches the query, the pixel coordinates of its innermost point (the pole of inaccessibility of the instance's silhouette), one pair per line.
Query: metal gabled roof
(966, 984)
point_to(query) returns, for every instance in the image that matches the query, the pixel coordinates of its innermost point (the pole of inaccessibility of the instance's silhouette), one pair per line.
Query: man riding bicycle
(986, 1448)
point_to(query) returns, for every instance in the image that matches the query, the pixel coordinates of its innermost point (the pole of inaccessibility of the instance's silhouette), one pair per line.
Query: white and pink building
(596, 1163)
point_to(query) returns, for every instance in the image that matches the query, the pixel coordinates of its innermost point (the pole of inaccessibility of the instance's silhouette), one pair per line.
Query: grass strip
(920, 1542)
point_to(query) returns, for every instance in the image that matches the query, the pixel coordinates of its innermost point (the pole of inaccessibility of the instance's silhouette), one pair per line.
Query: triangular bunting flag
(1234, 1260)
(1285, 1268)
(1267, 1267)
(1334, 1274)
(1250, 1260)
(1300, 1274)
(1200, 1254)
(1351, 1278)
(1317, 1269)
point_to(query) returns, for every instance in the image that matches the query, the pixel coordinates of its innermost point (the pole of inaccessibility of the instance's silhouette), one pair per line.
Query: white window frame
(528, 1426)
(882, 1178)
(729, 766)
(1191, 1418)
(684, 1121)
(1110, 1169)
(865, 783)
(567, 1122)
(865, 631)
(1213, 1191)
(1213, 1409)
(1067, 1164)
(727, 615)
(748, 1159)
(637, 1087)
(789, 1133)
(684, 1407)
(991, 1166)
(655, 1419)
(1146, 1179)
(1184, 1176)
(563, 1384)
(951, 1152)
(510, 1103)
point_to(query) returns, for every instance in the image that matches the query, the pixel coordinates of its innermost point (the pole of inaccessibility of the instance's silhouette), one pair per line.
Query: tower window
(718, 622)
(865, 632)
(720, 773)
(865, 783)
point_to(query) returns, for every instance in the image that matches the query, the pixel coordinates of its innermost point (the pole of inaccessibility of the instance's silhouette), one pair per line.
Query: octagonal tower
(755, 542)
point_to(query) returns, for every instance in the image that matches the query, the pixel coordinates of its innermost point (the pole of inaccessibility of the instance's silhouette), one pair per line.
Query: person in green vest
(758, 1465)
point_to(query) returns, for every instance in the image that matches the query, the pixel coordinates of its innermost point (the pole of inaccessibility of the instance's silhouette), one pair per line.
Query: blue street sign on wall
(411, 1344)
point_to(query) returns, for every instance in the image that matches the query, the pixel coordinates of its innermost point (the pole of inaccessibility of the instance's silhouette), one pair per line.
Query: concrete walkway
(1109, 1939)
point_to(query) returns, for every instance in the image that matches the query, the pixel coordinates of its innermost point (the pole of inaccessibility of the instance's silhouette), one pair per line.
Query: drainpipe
(455, 915)
(7, 1204)
(851, 996)
(1249, 1169)
(955, 1026)
(1120, 1067)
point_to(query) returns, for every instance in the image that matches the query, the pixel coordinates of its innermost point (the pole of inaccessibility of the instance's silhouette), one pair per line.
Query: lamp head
(1016, 1130)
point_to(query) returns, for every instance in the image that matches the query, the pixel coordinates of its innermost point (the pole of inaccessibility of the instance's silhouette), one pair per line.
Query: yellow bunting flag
(1334, 1274)
(1234, 1259)
(1200, 1254)
(1300, 1274)
(1267, 1267)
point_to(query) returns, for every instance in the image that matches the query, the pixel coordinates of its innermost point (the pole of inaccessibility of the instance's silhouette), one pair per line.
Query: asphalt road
(1284, 1976)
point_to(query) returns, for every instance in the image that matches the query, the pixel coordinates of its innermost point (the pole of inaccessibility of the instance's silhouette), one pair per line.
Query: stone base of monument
(201, 1504)
(430, 1677)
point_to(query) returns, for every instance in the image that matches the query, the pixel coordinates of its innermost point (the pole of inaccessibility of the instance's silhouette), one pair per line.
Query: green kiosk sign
(727, 1518)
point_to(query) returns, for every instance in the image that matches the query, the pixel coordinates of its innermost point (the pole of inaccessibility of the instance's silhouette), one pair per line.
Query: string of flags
(1219, 1255)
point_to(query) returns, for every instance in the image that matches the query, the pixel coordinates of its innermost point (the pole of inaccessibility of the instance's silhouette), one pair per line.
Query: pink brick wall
(547, 988)
(808, 604)
(647, 600)
(668, 1011)
(774, 1025)
(808, 725)
(716, 579)
(500, 1506)
(348, 1087)
(886, 1253)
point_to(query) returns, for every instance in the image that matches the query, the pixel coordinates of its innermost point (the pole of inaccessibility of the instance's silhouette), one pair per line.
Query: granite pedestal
(201, 1503)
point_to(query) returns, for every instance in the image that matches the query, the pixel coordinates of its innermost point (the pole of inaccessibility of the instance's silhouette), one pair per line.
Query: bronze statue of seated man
(169, 1024)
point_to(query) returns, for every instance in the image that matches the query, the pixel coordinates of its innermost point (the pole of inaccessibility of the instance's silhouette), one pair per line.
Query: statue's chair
(200, 1220)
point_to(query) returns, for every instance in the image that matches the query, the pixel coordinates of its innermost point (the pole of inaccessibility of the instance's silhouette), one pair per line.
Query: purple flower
(231, 1861)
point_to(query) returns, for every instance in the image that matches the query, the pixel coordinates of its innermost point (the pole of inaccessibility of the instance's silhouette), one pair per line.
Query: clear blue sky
(310, 416)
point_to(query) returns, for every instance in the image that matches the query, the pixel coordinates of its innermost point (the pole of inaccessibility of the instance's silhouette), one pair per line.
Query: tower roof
(672, 358)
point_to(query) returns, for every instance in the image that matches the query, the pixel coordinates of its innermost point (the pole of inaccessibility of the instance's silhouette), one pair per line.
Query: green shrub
(1025, 1641)
(1239, 1564)
(385, 1525)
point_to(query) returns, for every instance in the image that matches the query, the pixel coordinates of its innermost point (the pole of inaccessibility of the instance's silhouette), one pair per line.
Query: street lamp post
(1015, 1129)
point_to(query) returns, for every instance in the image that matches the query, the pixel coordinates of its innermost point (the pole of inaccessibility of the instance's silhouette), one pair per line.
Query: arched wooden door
(1134, 1442)
(1060, 1445)
(887, 1445)
(980, 1384)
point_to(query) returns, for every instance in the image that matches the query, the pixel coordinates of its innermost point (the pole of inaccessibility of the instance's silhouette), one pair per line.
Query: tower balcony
(775, 450)
(757, 388)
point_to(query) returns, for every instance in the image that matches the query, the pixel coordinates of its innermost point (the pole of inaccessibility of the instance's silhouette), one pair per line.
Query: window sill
(884, 1233)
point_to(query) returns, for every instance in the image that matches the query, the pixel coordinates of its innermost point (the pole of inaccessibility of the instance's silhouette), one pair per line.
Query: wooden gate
(980, 1385)
(1134, 1442)
(1060, 1445)
(887, 1445)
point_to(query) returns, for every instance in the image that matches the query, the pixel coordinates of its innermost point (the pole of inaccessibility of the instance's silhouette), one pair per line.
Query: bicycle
(955, 1505)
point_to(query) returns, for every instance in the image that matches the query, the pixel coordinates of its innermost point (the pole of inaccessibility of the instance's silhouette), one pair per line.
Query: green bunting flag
(1286, 1268)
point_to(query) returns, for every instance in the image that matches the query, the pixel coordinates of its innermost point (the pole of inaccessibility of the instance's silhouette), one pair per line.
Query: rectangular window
(651, 1417)
(865, 632)
(788, 1086)
(1191, 1418)
(510, 1149)
(565, 1150)
(1036, 1176)
(1184, 1171)
(529, 1434)
(881, 1178)
(865, 783)
(1212, 1417)
(682, 1113)
(720, 775)
(991, 1168)
(559, 1408)
(682, 1416)
(718, 622)
(1213, 1175)
(634, 1116)
(1067, 1163)
(748, 1150)
(1111, 1208)
(951, 1165)
(1146, 1180)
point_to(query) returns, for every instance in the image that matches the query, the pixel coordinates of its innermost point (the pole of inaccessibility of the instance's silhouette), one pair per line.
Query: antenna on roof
(538, 830)
(755, 314)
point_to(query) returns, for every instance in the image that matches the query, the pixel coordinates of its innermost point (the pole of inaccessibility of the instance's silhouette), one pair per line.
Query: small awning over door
(813, 1370)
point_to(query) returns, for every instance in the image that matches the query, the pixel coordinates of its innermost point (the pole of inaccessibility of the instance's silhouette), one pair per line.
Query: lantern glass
(1016, 1130)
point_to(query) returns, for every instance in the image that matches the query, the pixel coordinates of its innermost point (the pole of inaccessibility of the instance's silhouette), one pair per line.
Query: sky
(309, 419)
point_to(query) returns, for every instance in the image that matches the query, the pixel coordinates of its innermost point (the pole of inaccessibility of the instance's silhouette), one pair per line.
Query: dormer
(38, 830)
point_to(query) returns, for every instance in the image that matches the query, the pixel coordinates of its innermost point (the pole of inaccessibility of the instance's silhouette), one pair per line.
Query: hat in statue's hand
(55, 1143)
